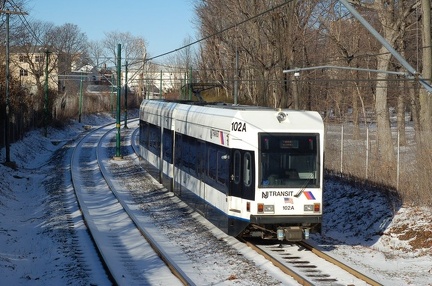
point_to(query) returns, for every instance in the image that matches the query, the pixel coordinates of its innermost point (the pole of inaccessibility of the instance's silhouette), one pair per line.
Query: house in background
(28, 65)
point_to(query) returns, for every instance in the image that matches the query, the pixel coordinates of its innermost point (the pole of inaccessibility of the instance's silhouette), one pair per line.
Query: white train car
(252, 171)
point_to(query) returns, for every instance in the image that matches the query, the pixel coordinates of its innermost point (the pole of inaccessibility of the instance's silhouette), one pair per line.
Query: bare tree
(425, 100)
(33, 38)
(72, 44)
(181, 66)
(133, 48)
(392, 16)
(95, 51)
(261, 43)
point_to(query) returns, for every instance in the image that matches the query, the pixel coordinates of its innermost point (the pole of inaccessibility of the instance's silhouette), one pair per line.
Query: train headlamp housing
(316, 208)
(308, 208)
(262, 208)
(281, 116)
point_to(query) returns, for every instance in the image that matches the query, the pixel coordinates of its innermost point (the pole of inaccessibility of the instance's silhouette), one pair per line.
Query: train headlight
(316, 208)
(308, 208)
(281, 116)
(269, 209)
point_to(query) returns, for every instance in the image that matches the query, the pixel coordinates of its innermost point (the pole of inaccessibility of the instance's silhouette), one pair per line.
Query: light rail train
(252, 171)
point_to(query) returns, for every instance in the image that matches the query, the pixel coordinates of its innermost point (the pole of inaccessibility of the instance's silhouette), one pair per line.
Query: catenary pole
(126, 95)
(160, 85)
(118, 154)
(80, 102)
(47, 52)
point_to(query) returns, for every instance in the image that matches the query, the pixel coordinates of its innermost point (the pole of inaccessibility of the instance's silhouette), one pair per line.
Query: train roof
(221, 115)
(222, 105)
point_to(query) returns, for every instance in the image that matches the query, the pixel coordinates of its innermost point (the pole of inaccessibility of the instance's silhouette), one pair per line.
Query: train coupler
(293, 233)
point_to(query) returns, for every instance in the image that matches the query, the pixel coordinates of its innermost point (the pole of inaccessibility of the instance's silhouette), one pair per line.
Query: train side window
(168, 145)
(144, 134)
(222, 167)
(200, 159)
(154, 139)
(192, 157)
(185, 153)
(212, 163)
(178, 150)
(247, 169)
(237, 166)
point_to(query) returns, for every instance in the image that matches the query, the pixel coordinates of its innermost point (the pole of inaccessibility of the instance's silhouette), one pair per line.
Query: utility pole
(80, 103)
(160, 85)
(118, 154)
(236, 77)
(126, 92)
(46, 93)
(7, 121)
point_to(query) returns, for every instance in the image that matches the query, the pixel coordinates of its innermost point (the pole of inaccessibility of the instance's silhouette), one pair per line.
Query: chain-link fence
(352, 152)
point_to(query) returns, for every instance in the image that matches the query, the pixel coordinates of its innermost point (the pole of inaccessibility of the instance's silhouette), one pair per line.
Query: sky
(164, 24)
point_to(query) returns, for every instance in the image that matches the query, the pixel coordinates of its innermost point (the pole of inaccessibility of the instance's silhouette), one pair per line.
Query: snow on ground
(390, 242)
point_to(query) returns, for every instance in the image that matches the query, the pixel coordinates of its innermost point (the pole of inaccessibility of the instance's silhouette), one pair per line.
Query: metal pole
(46, 93)
(7, 92)
(126, 92)
(236, 77)
(184, 90)
(398, 161)
(367, 151)
(160, 86)
(112, 99)
(80, 100)
(118, 155)
(341, 149)
(190, 82)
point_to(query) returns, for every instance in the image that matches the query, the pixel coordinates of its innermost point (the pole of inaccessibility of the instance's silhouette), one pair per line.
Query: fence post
(367, 151)
(341, 149)
(398, 161)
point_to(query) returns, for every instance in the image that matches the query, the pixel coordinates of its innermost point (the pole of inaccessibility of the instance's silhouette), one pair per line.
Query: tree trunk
(384, 138)
(401, 114)
(425, 98)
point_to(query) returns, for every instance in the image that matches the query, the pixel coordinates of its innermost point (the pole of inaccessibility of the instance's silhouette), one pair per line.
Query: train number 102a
(238, 126)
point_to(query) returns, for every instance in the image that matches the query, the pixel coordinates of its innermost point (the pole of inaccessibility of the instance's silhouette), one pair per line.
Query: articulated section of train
(252, 171)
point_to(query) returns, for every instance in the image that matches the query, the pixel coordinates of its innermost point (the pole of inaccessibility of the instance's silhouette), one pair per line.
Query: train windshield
(289, 160)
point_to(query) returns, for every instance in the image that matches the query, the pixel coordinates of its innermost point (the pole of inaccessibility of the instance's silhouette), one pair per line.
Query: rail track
(125, 250)
(127, 228)
(145, 235)
(310, 266)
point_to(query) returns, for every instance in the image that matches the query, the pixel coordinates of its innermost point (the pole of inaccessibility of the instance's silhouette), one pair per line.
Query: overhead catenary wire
(233, 26)
(143, 61)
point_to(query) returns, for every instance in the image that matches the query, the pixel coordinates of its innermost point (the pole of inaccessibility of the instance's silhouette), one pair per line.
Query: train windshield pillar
(289, 160)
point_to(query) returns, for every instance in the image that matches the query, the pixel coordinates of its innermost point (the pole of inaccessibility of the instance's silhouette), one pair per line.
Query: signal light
(317, 207)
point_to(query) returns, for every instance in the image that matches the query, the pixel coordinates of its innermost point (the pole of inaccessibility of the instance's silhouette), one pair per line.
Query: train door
(242, 182)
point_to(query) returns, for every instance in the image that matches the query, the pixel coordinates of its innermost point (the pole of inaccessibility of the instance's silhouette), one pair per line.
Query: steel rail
(106, 253)
(172, 265)
(340, 264)
(302, 278)
(298, 277)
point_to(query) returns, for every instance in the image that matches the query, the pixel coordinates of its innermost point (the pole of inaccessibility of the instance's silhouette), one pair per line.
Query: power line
(224, 30)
